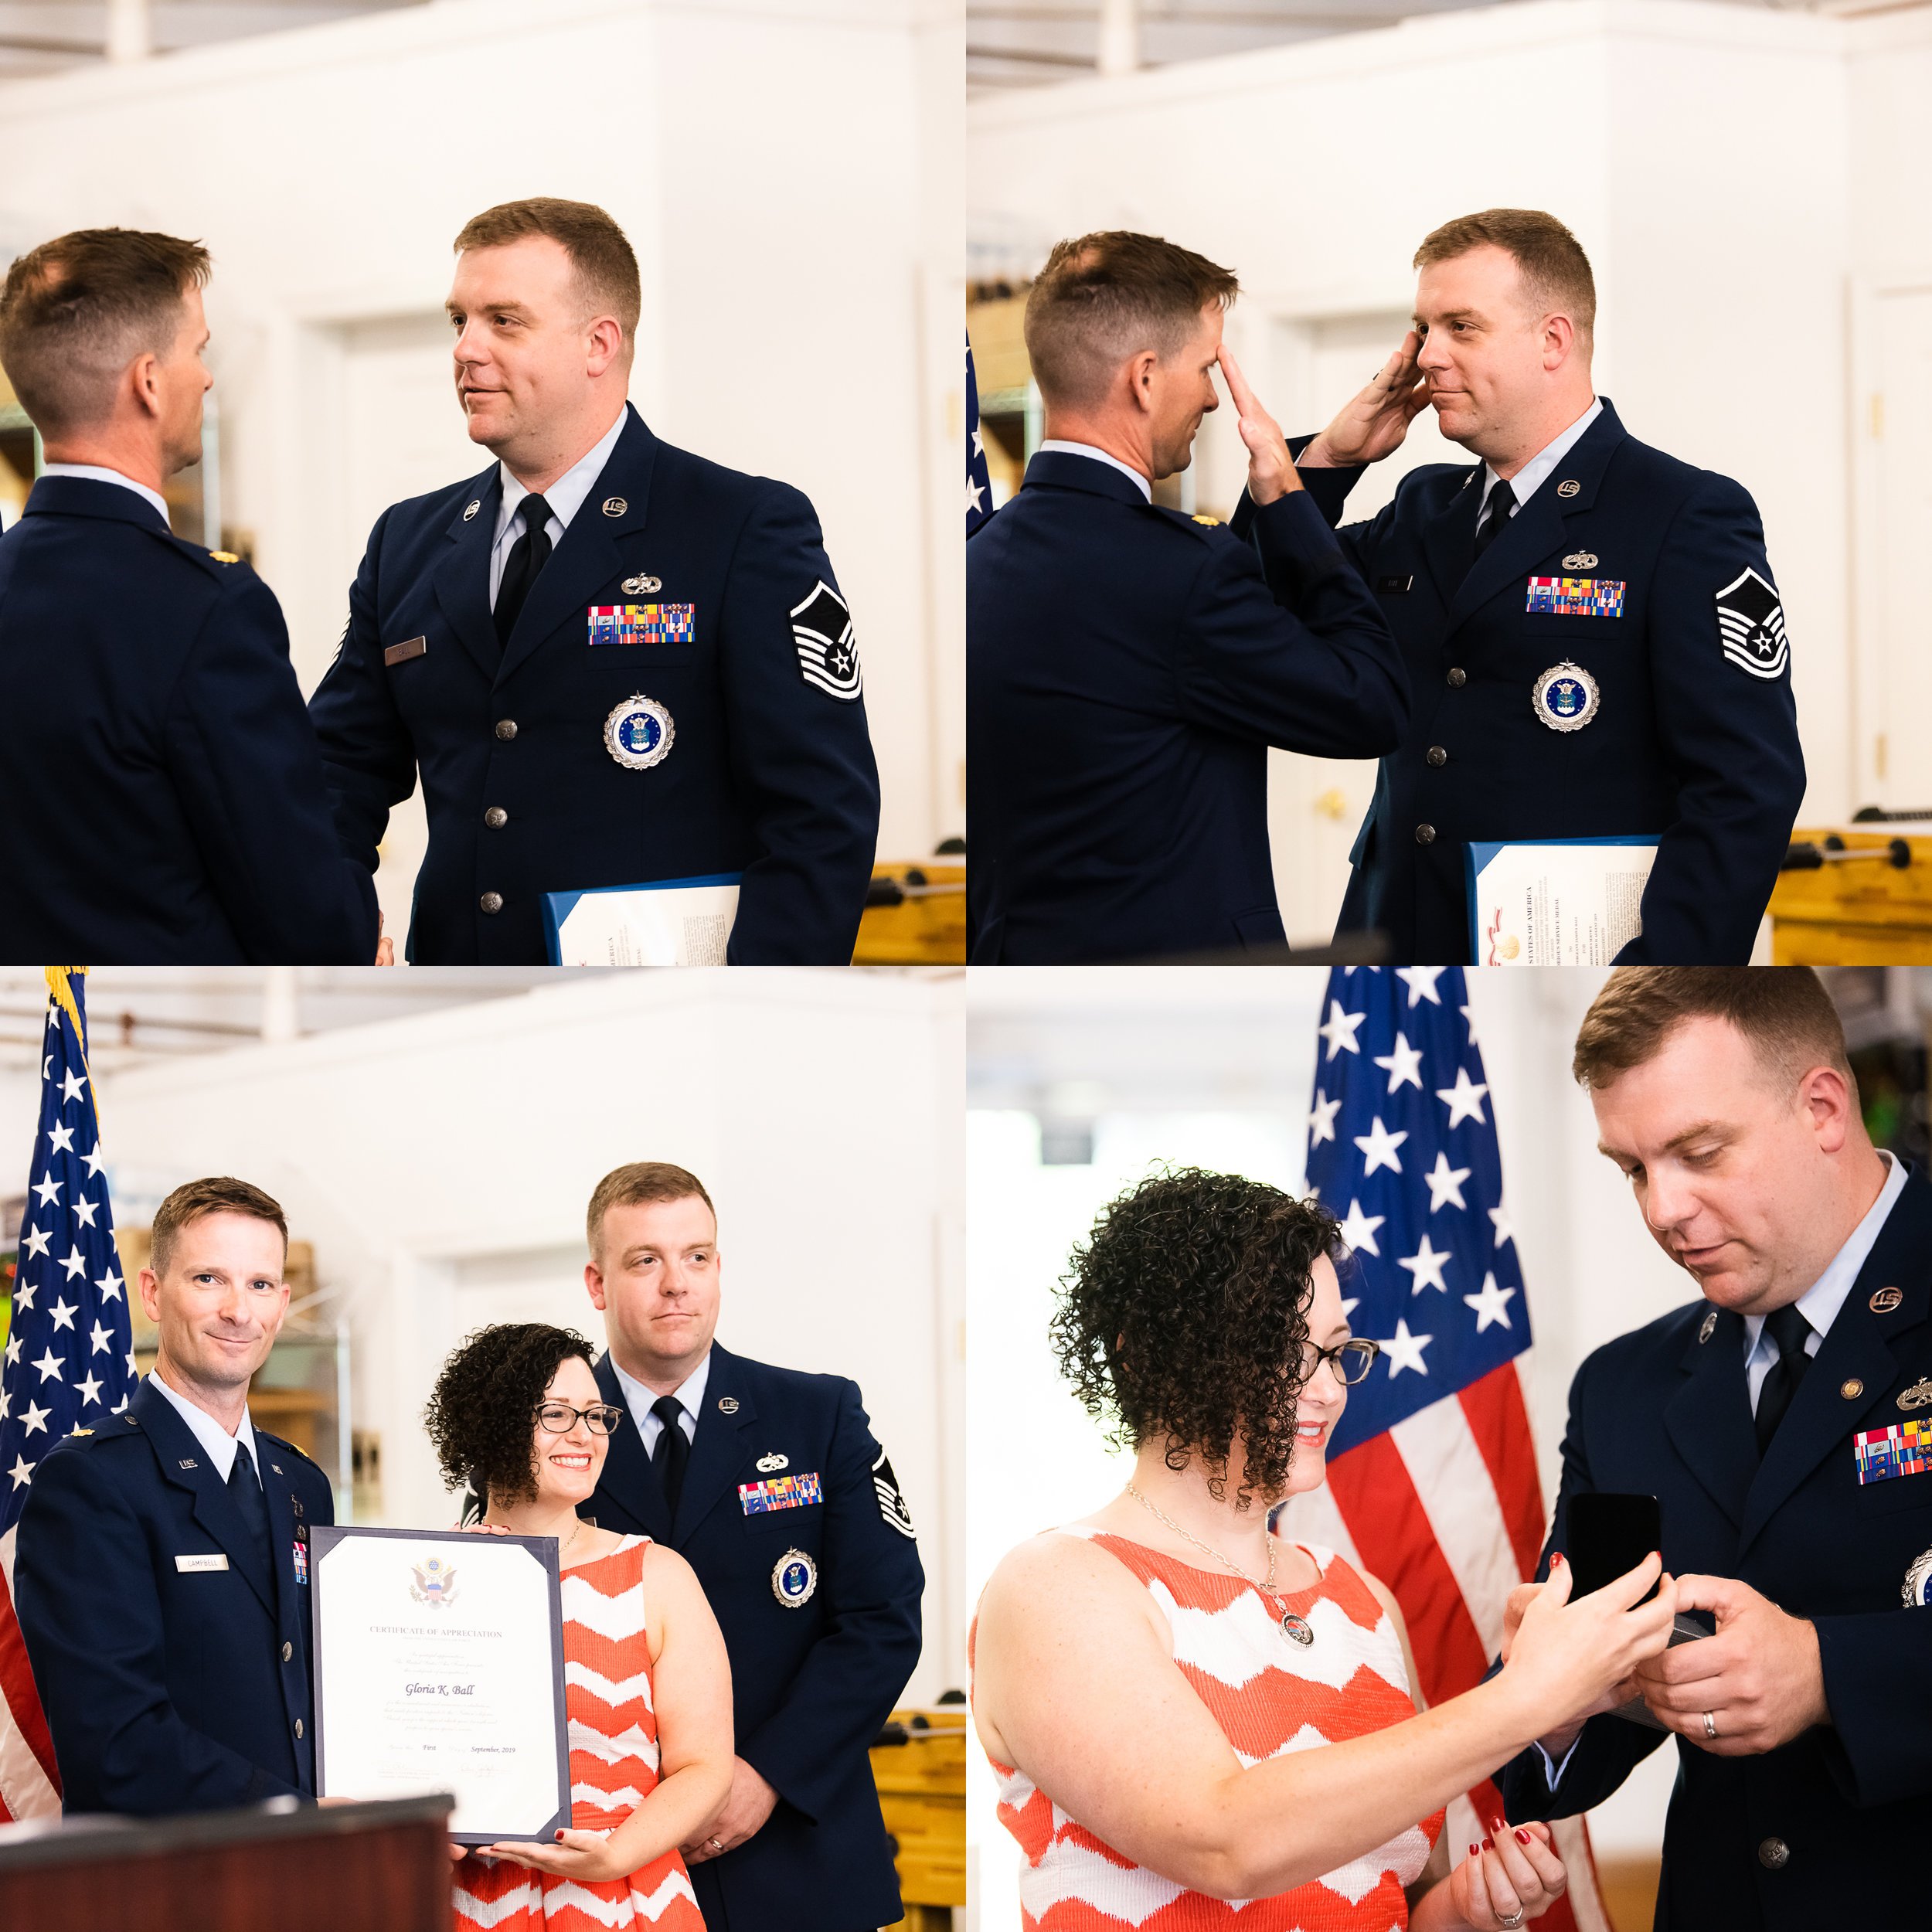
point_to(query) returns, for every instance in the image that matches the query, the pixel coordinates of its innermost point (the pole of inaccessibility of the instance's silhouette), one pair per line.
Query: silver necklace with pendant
(1296, 1629)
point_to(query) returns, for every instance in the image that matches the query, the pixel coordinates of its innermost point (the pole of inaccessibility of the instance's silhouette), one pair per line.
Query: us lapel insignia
(1918, 1395)
(1887, 1300)
(727, 1405)
(1568, 487)
(1710, 1325)
(470, 509)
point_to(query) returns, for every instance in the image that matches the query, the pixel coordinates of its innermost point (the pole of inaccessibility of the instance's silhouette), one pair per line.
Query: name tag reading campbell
(188, 1565)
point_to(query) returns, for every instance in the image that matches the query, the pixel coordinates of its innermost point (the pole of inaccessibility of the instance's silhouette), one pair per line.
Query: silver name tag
(192, 1564)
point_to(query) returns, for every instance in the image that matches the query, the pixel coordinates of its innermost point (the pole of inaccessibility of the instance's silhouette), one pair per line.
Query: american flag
(979, 482)
(1432, 1471)
(70, 1356)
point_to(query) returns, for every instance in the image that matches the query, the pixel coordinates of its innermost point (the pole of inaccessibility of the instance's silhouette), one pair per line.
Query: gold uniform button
(299, 1727)
(1774, 1854)
(1425, 834)
(506, 728)
(1457, 678)
(491, 902)
(288, 1652)
(1437, 756)
(496, 818)
(1850, 1387)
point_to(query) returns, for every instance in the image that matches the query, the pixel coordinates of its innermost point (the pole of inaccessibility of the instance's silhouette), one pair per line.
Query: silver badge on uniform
(1580, 560)
(1917, 1591)
(470, 509)
(639, 732)
(1751, 626)
(793, 1578)
(641, 586)
(1918, 1397)
(767, 1463)
(1710, 1324)
(1566, 697)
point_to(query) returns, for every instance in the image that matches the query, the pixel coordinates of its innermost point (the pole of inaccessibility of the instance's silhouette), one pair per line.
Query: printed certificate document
(1556, 901)
(439, 1667)
(676, 922)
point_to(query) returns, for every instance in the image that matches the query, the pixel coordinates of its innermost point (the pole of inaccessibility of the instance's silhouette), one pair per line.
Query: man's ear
(144, 377)
(1141, 371)
(1560, 341)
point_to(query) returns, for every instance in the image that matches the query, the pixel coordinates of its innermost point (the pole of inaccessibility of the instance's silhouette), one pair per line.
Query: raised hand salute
(1270, 469)
(1373, 423)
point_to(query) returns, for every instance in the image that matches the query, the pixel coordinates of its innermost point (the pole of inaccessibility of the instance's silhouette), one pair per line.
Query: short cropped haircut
(634, 1185)
(1556, 272)
(606, 267)
(1783, 1012)
(75, 311)
(1182, 1319)
(220, 1194)
(481, 1417)
(1104, 297)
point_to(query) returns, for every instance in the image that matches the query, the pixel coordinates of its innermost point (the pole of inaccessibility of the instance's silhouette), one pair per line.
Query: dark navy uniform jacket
(811, 1683)
(166, 1689)
(163, 803)
(769, 770)
(1127, 669)
(1692, 741)
(1666, 1413)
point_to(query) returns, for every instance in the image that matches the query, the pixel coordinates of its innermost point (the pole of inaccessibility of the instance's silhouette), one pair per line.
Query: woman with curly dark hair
(517, 1418)
(1183, 1707)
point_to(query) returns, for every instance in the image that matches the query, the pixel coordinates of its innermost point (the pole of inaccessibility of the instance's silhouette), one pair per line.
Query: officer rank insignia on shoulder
(1211, 522)
(892, 1501)
(828, 652)
(223, 556)
(1575, 597)
(1751, 626)
(644, 623)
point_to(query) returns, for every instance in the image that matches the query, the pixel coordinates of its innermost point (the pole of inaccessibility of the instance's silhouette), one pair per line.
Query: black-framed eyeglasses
(558, 1418)
(1351, 1360)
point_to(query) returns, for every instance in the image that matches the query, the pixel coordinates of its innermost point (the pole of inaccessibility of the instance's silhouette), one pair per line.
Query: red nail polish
(1475, 1851)
(1487, 1846)
(1556, 1557)
(1522, 1837)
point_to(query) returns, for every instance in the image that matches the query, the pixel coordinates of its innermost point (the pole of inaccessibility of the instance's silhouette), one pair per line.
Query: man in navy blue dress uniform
(1128, 666)
(1594, 639)
(1773, 1421)
(163, 803)
(769, 1483)
(608, 661)
(160, 1574)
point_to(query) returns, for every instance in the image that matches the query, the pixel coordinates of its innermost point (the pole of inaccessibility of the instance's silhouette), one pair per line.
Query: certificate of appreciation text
(439, 1667)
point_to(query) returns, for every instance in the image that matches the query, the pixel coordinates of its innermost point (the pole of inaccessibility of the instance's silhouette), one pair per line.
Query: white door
(1316, 805)
(401, 435)
(1893, 766)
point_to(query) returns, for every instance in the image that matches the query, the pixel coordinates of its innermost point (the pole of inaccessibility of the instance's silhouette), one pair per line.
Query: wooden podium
(307, 1868)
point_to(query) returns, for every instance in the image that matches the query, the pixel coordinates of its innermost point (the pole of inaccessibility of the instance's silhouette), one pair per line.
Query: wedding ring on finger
(717, 1844)
(1710, 1725)
(1514, 1919)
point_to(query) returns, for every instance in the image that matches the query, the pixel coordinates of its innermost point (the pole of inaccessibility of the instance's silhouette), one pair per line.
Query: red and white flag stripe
(30, 1785)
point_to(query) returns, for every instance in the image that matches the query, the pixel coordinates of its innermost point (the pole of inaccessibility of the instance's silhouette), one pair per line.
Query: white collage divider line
(1459, 1496)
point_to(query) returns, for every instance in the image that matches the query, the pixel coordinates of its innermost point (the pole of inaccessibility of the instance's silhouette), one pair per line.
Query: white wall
(787, 170)
(1703, 155)
(441, 1165)
(1203, 1066)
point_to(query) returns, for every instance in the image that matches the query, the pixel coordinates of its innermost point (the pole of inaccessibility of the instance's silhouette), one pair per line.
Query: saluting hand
(385, 946)
(1374, 423)
(1759, 1677)
(1270, 469)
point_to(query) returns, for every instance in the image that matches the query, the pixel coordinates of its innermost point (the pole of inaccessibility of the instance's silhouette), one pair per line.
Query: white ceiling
(41, 36)
(1030, 43)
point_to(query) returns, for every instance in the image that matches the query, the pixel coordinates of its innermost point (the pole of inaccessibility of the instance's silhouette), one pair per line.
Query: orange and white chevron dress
(614, 1767)
(1269, 1695)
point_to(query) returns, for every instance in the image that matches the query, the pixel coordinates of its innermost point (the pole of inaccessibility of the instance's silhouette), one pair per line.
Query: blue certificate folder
(1479, 853)
(558, 907)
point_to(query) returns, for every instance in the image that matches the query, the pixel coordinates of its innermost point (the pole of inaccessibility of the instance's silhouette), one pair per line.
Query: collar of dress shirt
(1820, 1303)
(94, 473)
(219, 1444)
(1534, 473)
(1061, 447)
(565, 495)
(690, 1393)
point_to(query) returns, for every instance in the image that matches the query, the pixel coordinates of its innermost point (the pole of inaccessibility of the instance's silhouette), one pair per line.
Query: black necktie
(668, 1458)
(1788, 1329)
(245, 1486)
(1495, 514)
(528, 555)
